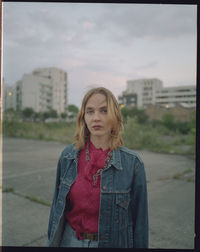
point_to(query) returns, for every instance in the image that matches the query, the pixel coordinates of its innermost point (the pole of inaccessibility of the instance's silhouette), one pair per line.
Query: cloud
(130, 22)
(147, 66)
(32, 24)
(87, 24)
(97, 43)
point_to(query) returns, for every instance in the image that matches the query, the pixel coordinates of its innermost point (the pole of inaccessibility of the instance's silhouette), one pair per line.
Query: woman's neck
(100, 142)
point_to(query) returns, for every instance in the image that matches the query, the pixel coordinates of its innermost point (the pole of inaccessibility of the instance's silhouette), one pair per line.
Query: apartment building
(128, 99)
(171, 96)
(144, 91)
(42, 90)
(151, 91)
(9, 97)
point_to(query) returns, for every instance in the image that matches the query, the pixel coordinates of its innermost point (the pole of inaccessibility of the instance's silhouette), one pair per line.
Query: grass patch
(37, 200)
(187, 171)
(146, 136)
(31, 198)
(136, 136)
(8, 190)
(177, 175)
(62, 132)
(191, 179)
(184, 175)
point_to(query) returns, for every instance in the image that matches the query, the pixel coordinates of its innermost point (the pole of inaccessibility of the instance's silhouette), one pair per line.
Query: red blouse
(84, 196)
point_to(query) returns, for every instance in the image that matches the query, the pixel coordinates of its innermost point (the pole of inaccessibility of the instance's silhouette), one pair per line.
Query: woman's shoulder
(69, 150)
(128, 152)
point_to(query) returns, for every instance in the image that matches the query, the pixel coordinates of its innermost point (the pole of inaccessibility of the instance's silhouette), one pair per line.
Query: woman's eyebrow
(103, 107)
(89, 108)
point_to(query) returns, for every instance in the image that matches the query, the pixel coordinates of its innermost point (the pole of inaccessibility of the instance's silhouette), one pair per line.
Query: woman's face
(96, 117)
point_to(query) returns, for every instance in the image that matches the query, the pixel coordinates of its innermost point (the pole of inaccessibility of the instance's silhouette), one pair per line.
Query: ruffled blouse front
(96, 162)
(84, 196)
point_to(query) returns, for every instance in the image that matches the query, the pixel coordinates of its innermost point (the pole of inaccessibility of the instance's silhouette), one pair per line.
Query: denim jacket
(123, 213)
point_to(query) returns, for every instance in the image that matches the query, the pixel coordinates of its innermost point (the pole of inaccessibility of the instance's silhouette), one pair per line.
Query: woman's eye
(89, 112)
(104, 111)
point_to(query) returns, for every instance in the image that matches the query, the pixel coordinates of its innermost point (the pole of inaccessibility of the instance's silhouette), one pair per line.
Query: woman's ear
(112, 132)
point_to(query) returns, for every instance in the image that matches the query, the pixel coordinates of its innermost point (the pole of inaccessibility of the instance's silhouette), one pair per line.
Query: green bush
(168, 121)
(14, 128)
(138, 136)
(152, 136)
(130, 135)
(62, 132)
(161, 129)
(139, 114)
(182, 127)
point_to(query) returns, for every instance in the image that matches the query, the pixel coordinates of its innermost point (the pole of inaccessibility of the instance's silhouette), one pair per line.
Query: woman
(100, 198)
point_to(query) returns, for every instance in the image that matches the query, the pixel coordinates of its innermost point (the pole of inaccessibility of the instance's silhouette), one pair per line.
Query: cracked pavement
(29, 168)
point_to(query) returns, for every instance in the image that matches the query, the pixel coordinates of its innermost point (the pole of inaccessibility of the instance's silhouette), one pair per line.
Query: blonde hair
(82, 133)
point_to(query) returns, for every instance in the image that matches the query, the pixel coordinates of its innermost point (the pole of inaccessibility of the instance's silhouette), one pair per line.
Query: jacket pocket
(123, 199)
(121, 210)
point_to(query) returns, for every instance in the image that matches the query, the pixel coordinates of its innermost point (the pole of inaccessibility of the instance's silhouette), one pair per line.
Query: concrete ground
(29, 169)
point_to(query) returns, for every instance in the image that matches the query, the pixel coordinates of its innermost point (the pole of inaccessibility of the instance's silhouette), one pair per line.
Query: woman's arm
(139, 205)
(56, 190)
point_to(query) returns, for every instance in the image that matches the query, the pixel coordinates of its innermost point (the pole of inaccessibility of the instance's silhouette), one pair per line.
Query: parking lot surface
(29, 169)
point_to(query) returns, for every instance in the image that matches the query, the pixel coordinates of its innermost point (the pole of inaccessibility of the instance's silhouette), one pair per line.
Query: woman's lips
(97, 127)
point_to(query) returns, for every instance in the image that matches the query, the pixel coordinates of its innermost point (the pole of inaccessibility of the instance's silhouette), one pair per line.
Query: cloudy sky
(100, 44)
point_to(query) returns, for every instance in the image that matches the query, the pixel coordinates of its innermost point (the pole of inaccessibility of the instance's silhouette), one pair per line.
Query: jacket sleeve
(139, 205)
(56, 190)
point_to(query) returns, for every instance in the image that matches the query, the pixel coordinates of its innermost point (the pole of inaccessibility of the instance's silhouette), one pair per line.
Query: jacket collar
(115, 160)
(72, 154)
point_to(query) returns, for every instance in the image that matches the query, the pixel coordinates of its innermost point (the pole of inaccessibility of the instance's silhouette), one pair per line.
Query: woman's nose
(96, 116)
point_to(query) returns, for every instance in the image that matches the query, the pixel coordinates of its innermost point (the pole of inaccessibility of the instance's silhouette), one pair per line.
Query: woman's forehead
(97, 100)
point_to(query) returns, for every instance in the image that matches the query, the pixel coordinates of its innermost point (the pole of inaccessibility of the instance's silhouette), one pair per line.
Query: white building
(9, 97)
(151, 91)
(128, 99)
(144, 89)
(183, 95)
(42, 90)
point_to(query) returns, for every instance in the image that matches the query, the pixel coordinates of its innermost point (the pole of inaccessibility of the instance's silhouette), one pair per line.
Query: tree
(53, 113)
(46, 115)
(38, 116)
(63, 115)
(28, 112)
(72, 108)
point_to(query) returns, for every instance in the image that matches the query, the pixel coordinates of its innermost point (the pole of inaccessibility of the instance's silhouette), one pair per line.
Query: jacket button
(104, 187)
(103, 212)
